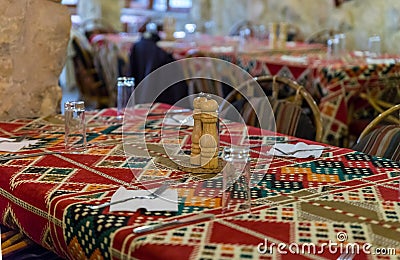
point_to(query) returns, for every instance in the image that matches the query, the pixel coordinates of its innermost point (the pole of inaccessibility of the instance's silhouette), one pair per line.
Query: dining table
(112, 51)
(336, 83)
(301, 208)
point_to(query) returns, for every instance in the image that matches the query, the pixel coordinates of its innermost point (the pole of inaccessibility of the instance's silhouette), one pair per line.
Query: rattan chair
(377, 96)
(320, 36)
(294, 33)
(387, 115)
(16, 245)
(238, 26)
(380, 138)
(295, 111)
(383, 94)
(203, 75)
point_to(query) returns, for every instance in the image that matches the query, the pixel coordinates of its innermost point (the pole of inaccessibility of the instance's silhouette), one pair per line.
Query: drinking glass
(374, 45)
(75, 126)
(236, 180)
(190, 32)
(209, 27)
(245, 38)
(333, 48)
(342, 43)
(261, 32)
(190, 28)
(125, 86)
(151, 28)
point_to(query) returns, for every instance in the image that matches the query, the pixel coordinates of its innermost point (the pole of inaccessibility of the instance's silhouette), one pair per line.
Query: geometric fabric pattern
(332, 83)
(309, 200)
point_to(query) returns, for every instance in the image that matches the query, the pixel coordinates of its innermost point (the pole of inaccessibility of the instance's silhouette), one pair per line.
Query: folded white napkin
(380, 61)
(222, 49)
(166, 44)
(167, 201)
(287, 148)
(299, 59)
(186, 120)
(291, 44)
(2, 139)
(10, 146)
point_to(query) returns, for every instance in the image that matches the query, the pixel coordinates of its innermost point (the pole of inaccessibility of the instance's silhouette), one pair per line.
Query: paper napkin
(12, 146)
(2, 139)
(299, 59)
(222, 49)
(287, 148)
(380, 61)
(168, 201)
(166, 44)
(186, 120)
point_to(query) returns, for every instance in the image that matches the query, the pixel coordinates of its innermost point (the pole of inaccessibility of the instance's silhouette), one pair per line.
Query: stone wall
(309, 15)
(358, 19)
(100, 14)
(33, 41)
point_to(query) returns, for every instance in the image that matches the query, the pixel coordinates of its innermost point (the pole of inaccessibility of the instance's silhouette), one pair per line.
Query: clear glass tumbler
(125, 86)
(75, 126)
(342, 43)
(190, 32)
(236, 180)
(333, 48)
(374, 46)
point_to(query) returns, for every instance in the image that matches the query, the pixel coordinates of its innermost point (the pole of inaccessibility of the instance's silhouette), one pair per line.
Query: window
(69, 2)
(163, 5)
(138, 12)
(180, 3)
(158, 5)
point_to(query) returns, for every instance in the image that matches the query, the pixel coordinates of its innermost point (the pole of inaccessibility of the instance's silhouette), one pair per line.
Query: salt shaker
(273, 35)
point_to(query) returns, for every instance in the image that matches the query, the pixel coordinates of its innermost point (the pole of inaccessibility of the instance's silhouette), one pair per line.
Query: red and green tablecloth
(294, 200)
(335, 83)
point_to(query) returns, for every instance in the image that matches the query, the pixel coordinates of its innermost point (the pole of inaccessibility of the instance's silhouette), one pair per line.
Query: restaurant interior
(200, 129)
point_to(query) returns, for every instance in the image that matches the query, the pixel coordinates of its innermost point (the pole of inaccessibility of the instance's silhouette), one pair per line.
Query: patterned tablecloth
(343, 196)
(333, 83)
(343, 82)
